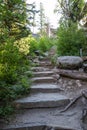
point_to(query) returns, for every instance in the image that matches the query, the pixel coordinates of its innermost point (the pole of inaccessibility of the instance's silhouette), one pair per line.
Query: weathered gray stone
(78, 83)
(36, 69)
(69, 62)
(26, 127)
(43, 73)
(45, 88)
(38, 127)
(42, 100)
(43, 80)
(45, 64)
(42, 119)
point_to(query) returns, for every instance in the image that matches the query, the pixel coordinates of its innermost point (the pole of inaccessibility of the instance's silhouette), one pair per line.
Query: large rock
(69, 62)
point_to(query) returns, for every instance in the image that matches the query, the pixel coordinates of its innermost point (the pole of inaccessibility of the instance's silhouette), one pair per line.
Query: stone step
(45, 59)
(45, 88)
(38, 126)
(44, 119)
(44, 63)
(46, 66)
(36, 69)
(43, 73)
(42, 100)
(43, 80)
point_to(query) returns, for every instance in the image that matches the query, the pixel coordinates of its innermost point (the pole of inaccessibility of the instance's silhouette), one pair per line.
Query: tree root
(71, 103)
(83, 94)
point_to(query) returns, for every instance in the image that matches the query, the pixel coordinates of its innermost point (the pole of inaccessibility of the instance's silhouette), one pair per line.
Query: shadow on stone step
(39, 127)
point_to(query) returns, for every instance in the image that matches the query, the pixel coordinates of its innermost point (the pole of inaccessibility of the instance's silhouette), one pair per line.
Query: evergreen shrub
(70, 40)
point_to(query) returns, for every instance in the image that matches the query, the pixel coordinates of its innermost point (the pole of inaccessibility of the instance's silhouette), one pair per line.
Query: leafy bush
(6, 110)
(33, 45)
(41, 44)
(45, 43)
(8, 62)
(13, 64)
(70, 40)
(23, 45)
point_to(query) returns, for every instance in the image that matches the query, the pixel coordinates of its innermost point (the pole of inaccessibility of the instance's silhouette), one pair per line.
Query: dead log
(73, 75)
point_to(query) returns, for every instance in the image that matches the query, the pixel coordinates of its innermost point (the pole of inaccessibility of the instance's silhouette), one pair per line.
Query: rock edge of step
(42, 100)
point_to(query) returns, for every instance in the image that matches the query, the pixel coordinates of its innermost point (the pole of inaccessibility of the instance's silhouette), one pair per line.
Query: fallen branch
(73, 75)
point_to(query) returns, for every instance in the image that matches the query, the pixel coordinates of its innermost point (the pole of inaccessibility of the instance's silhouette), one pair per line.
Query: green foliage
(8, 61)
(45, 43)
(23, 45)
(41, 44)
(13, 64)
(9, 92)
(72, 10)
(33, 45)
(15, 24)
(14, 48)
(70, 40)
(5, 111)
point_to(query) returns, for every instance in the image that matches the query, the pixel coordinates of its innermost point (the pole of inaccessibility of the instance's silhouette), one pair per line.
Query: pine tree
(13, 19)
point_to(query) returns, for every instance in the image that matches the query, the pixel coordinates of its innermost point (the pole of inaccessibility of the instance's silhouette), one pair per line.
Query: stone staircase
(39, 110)
(44, 90)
